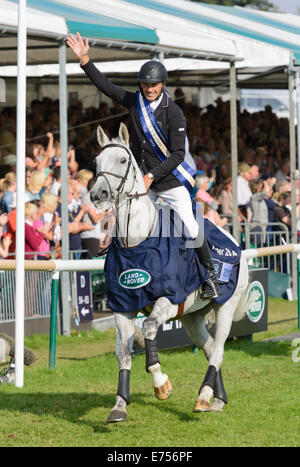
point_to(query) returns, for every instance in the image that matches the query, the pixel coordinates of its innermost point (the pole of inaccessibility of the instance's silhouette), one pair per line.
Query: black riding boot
(210, 288)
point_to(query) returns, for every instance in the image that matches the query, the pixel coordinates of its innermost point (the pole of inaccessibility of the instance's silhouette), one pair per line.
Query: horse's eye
(123, 160)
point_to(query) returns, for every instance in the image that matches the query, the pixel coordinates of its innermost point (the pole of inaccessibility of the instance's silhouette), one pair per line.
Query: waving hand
(79, 47)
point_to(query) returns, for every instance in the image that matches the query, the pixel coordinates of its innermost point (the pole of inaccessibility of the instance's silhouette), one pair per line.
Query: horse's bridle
(124, 177)
(129, 197)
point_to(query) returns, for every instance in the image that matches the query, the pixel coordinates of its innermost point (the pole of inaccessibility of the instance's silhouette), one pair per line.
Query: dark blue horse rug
(162, 266)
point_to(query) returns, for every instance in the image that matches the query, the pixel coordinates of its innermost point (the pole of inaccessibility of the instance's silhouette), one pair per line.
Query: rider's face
(152, 90)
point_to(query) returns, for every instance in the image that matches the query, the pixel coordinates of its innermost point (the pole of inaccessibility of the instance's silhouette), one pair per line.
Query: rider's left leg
(210, 288)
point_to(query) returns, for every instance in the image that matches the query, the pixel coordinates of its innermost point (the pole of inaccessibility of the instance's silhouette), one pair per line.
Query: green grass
(69, 406)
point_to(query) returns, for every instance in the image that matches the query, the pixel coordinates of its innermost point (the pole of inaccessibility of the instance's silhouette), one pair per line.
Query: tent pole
(63, 129)
(298, 119)
(20, 216)
(292, 132)
(234, 150)
(298, 175)
(161, 56)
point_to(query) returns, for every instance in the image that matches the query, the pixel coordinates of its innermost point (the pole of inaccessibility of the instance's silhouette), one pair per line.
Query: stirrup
(210, 289)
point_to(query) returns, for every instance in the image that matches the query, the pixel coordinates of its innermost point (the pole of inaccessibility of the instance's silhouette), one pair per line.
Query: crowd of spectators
(264, 188)
(43, 234)
(263, 184)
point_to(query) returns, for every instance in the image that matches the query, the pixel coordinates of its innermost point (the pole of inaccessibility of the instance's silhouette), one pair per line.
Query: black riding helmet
(152, 72)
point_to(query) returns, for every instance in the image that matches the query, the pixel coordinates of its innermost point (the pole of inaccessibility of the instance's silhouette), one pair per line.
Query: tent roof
(112, 38)
(186, 19)
(241, 22)
(87, 23)
(220, 32)
(44, 33)
(264, 40)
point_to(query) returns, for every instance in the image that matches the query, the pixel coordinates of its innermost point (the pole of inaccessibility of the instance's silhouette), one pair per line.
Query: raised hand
(79, 47)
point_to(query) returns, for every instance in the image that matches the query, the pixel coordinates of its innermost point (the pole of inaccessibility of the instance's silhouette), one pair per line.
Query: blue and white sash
(158, 140)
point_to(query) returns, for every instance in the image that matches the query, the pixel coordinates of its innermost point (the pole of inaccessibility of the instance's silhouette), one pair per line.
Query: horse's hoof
(163, 392)
(117, 415)
(201, 406)
(217, 406)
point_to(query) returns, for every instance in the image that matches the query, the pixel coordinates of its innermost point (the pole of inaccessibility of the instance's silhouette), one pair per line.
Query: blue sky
(288, 6)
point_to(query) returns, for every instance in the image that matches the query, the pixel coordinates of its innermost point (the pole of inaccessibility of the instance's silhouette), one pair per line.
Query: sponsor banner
(256, 318)
(256, 299)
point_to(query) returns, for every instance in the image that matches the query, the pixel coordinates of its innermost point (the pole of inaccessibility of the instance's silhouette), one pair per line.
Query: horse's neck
(136, 217)
(136, 220)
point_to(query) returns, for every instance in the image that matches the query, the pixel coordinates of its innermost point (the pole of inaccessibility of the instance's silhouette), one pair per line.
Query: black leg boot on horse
(161, 384)
(210, 288)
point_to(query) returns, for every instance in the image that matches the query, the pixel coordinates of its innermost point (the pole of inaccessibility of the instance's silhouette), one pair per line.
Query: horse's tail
(244, 284)
(243, 306)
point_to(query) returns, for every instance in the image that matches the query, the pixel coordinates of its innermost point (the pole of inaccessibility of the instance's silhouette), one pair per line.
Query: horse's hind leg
(125, 327)
(213, 382)
(194, 324)
(220, 396)
(163, 310)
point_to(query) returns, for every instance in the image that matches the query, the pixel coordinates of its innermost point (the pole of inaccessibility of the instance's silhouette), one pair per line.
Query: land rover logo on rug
(256, 302)
(134, 278)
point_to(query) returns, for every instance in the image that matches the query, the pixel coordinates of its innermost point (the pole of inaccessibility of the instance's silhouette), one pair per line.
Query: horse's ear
(101, 137)
(123, 134)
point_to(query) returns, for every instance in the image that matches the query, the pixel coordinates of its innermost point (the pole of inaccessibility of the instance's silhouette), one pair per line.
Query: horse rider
(161, 161)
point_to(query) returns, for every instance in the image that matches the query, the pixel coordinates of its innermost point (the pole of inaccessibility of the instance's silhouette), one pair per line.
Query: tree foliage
(257, 4)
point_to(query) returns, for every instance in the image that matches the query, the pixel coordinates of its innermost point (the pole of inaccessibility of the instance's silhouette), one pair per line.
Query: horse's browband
(118, 145)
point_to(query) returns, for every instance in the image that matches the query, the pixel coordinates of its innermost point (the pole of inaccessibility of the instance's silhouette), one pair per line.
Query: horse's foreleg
(125, 327)
(163, 310)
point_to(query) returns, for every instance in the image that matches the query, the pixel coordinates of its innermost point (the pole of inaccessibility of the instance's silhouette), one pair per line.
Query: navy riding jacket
(169, 116)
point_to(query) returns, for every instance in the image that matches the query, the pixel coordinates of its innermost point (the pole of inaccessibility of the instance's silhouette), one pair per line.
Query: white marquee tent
(29, 34)
(127, 30)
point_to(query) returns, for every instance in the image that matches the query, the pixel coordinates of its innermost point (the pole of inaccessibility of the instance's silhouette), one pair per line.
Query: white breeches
(179, 199)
